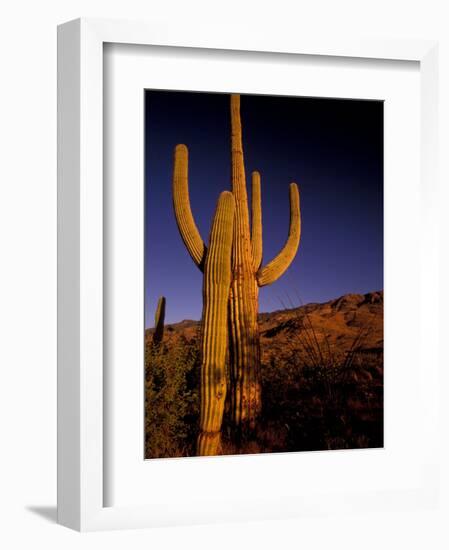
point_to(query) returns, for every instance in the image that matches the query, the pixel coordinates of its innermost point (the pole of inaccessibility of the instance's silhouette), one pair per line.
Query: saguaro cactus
(247, 274)
(159, 321)
(216, 283)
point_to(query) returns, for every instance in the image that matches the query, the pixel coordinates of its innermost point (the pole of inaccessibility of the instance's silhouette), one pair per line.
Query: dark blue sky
(332, 148)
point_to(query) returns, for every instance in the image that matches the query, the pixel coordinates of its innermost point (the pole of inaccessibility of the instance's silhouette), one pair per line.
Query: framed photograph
(246, 251)
(253, 356)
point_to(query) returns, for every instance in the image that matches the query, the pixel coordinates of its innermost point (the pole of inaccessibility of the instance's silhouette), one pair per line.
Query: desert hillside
(332, 326)
(322, 381)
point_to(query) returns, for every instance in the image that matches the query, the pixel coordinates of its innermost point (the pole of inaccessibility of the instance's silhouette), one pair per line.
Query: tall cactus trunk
(244, 357)
(243, 302)
(217, 279)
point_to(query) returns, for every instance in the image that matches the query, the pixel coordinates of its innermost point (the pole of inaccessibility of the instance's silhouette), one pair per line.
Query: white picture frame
(81, 475)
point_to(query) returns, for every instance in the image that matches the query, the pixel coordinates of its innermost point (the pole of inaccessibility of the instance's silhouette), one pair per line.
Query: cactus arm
(183, 213)
(256, 225)
(273, 270)
(159, 321)
(216, 285)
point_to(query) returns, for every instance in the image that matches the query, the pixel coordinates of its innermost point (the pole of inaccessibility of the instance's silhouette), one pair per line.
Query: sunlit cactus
(216, 283)
(159, 321)
(246, 274)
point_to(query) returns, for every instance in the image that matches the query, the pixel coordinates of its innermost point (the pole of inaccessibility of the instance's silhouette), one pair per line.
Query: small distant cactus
(159, 321)
(240, 289)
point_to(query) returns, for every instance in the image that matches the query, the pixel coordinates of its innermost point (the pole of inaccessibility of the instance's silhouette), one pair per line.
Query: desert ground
(322, 381)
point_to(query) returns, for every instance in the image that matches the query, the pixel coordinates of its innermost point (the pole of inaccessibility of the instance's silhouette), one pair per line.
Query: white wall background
(28, 269)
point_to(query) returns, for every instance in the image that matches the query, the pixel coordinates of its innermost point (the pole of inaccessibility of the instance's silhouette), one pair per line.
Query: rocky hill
(330, 328)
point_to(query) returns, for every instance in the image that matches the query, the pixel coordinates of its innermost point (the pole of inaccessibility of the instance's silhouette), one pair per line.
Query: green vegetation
(171, 399)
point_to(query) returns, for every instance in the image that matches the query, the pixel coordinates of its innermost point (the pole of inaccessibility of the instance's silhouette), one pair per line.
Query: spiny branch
(256, 225)
(181, 202)
(272, 271)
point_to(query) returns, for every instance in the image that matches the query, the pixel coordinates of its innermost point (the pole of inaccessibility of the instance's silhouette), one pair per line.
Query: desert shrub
(323, 406)
(171, 399)
(318, 396)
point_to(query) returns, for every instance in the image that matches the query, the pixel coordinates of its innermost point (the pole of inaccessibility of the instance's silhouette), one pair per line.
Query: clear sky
(333, 150)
